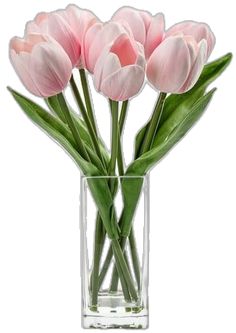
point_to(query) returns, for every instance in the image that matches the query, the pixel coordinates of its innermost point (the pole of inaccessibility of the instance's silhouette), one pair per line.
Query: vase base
(113, 312)
(134, 322)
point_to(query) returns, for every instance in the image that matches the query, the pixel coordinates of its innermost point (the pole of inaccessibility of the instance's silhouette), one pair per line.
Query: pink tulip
(97, 38)
(80, 20)
(138, 20)
(42, 65)
(67, 27)
(176, 64)
(147, 29)
(198, 31)
(120, 70)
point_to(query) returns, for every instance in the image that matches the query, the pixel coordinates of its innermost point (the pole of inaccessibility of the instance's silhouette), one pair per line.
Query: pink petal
(107, 64)
(184, 27)
(20, 62)
(198, 30)
(80, 20)
(146, 16)
(34, 39)
(169, 65)
(135, 21)
(109, 32)
(20, 45)
(196, 68)
(123, 84)
(35, 25)
(155, 34)
(125, 50)
(202, 31)
(141, 61)
(41, 17)
(89, 61)
(60, 30)
(50, 68)
(192, 47)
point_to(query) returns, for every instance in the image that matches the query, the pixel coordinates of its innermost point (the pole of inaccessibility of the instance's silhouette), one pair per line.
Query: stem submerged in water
(99, 234)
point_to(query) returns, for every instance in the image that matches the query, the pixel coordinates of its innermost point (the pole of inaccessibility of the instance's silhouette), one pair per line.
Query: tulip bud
(176, 64)
(42, 65)
(120, 70)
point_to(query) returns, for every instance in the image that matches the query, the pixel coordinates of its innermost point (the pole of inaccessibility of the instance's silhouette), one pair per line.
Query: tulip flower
(146, 29)
(198, 31)
(120, 70)
(67, 27)
(80, 20)
(97, 38)
(176, 64)
(42, 65)
(138, 20)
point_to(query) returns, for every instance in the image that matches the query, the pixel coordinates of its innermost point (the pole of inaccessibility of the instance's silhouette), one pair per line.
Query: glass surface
(114, 272)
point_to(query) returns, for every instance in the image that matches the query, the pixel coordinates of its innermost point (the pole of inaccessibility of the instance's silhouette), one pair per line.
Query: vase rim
(83, 177)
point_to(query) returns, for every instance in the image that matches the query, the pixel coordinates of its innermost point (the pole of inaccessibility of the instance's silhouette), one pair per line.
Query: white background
(193, 218)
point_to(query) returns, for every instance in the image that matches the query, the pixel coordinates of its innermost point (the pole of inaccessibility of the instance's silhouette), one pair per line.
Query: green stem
(115, 275)
(135, 258)
(107, 262)
(125, 278)
(151, 131)
(120, 162)
(99, 236)
(134, 255)
(73, 128)
(123, 266)
(105, 266)
(87, 99)
(122, 118)
(153, 124)
(99, 232)
(115, 137)
(114, 147)
(87, 121)
(123, 114)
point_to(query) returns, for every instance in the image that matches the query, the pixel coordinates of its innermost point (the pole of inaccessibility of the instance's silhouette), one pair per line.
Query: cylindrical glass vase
(114, 270)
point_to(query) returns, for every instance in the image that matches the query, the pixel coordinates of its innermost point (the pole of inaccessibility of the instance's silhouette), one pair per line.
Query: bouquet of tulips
(132, 49)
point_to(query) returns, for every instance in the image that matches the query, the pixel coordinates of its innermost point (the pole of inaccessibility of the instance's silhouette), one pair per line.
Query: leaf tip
(10, 89)
(229, 55)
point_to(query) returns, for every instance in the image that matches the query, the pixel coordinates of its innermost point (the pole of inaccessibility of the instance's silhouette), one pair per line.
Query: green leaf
(176, 103)
(55, 107)
(145, 162)
(139, 140)
(209, 74)
(176, 117)
(58, 131)
(131, 189)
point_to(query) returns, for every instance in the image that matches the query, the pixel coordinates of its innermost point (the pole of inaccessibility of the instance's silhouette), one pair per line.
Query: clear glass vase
(114, 272)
